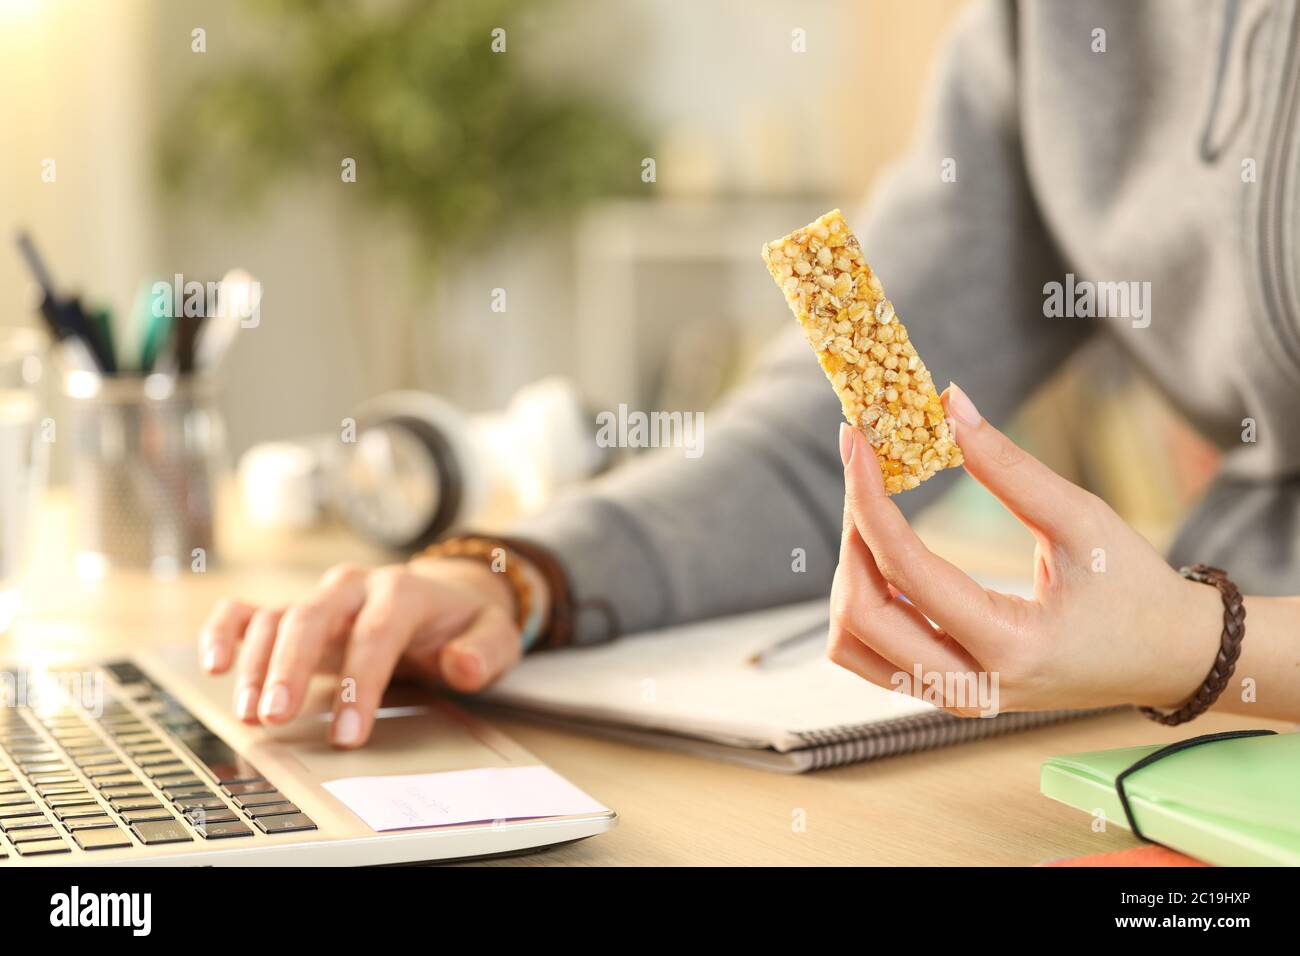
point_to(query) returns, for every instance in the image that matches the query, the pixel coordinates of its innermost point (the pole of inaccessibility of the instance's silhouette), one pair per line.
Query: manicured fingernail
(347, 727)
(275, 702)
(961, 407)
(470, 664)
(246, 703)
(846, 443)
(210, 658)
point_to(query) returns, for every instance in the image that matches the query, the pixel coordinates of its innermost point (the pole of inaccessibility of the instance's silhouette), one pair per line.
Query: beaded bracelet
(497, 554)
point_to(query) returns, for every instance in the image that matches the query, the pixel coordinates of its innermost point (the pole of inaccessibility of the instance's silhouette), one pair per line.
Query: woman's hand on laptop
(1110, 622)
(444, 621)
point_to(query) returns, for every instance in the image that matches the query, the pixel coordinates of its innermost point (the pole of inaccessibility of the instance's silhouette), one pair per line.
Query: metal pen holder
(147, 452)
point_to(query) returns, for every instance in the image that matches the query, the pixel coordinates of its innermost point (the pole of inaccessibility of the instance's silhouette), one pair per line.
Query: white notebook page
(697, 681)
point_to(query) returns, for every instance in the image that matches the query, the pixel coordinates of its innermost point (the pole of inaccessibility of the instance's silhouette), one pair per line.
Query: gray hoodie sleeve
(955, 236)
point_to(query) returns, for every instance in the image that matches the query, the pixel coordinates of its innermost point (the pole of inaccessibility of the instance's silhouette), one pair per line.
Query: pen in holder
(146, 453)
(148, 441)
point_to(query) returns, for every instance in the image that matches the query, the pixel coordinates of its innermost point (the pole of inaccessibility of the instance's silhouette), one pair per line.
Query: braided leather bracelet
(1225, 662)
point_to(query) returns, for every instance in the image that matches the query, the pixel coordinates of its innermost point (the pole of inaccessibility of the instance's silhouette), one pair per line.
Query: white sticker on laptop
(461, 796)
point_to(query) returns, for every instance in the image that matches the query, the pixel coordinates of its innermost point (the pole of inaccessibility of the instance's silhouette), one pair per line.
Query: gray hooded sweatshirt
(1162, 151)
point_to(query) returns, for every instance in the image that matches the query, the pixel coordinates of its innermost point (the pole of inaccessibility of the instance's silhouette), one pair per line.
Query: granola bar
(882, 384)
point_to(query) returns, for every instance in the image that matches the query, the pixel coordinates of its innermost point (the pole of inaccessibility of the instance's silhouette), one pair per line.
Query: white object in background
(541, 442)
(279, 485)
(419, 466)
(22, 476)
(240, 302)
(24, 457)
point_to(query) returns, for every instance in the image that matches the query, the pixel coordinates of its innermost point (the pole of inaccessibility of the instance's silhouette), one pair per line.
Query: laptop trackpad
(418, 731)
(415, 732)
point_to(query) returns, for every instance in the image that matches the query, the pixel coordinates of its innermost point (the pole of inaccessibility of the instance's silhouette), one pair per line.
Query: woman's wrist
(474, 576)
(501, 576)
(1192, 629)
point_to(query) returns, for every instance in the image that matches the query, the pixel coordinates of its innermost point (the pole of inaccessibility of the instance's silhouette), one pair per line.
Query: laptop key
(61, 717)
(181, 786)
(285, 824)
(119, 781)
(155, 759)
(42, 847)
(33, 833)
(37, 771)
(120, 718)
(85, 810)
(200, 817)
(162, 831)
(18, 810)
(134, 803)
(199, 803)
(168, 770)
(152, 748)
(272, 810)
(96, 760)
(176, 785)
(223, 831)
(88, 750)
(13, 800)
(41, 763)
(178, 793)
(141, 736)
(126, 724)
(156, 812)
(53, 779)
(72, 739)
(22, 823)
(89, 823)
(107, 839)
(78, 799)
(109, 770)
(34, 751)
(252, 786)
(258, 799)
(122, 793)
(47, 790)
(232, 771)
(125, 672)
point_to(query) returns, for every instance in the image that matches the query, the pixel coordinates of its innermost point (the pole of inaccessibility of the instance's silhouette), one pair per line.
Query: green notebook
(1228, 802)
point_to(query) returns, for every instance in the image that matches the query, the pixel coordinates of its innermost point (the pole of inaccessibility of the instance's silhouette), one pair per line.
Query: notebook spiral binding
(852, 743)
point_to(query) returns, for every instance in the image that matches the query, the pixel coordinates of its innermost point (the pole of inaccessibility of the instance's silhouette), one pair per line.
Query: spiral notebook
(696, 689)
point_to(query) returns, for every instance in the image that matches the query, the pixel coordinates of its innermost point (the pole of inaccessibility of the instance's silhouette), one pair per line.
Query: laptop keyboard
(126, 777)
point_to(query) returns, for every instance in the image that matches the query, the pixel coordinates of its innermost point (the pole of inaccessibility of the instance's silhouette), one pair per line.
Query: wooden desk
(972, 804)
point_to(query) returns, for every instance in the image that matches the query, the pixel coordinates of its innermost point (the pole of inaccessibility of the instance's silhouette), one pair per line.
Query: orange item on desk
(1151, 855)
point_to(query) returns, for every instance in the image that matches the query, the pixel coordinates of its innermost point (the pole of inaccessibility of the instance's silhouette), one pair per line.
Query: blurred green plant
(454, 137)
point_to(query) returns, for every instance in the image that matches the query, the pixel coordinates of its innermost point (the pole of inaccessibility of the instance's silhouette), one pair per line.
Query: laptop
(141, 761)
